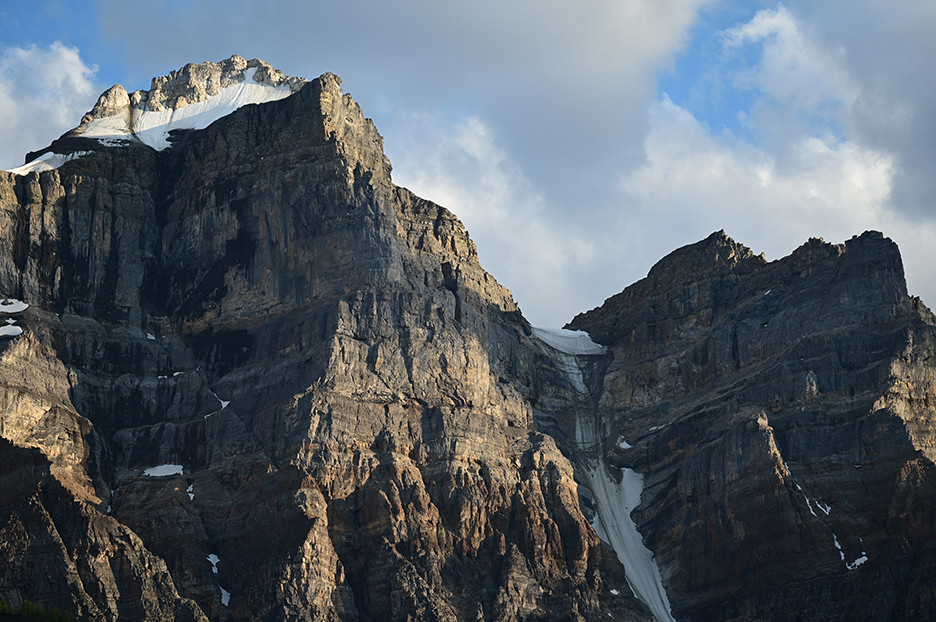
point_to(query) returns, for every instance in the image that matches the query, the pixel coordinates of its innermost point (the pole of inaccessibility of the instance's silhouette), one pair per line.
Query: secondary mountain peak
(715, 253)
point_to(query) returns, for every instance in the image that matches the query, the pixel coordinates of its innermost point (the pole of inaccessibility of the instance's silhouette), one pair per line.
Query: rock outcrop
(257, 380)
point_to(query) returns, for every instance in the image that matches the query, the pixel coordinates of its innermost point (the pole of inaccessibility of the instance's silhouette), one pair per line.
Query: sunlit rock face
(256, 380)
(243, 376)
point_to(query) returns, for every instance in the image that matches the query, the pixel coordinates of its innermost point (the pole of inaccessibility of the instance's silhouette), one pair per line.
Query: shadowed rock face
(60, 550)
(355, 422)
(783, 415)
(345, 395)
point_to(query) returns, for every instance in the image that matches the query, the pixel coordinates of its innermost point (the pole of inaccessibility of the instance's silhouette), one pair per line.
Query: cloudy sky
(578, 141)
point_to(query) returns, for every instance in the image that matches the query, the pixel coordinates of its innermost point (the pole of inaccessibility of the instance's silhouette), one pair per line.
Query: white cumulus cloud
(793, 68)
(44, 91)
(701, 182)
(802, 84)
(890, 49)
(804, 170)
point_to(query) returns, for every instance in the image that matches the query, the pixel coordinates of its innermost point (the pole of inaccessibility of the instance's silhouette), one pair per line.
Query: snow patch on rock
(224, 403)
(48, 161)
(12, 305)
(858, 560)
(10, 331)
(152, 127)
(164, 470)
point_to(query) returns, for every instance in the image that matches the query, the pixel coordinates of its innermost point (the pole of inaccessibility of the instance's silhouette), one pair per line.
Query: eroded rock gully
(256, 380)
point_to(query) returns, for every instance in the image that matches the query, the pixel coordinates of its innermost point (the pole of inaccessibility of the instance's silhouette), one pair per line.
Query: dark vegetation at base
(31, 611)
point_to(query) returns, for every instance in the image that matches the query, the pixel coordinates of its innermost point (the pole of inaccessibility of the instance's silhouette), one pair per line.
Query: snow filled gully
(614, 502)
(566, 346)
(614, 499)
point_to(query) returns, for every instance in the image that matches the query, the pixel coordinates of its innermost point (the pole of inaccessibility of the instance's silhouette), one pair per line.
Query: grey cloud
(889, 48)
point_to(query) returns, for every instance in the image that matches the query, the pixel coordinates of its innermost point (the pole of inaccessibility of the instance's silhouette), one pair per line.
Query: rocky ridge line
(193, 83)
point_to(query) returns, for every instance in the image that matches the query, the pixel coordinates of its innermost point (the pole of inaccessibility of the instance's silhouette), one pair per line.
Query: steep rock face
(781, 414)
(63, 551)
(287, 383)
(257, 380)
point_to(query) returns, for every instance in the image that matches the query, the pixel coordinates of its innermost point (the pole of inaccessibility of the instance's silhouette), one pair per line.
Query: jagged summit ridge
(190, 98)
(195, 82)
(718, 261)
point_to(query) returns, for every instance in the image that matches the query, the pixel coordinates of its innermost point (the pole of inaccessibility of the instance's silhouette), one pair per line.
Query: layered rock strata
(782, 416)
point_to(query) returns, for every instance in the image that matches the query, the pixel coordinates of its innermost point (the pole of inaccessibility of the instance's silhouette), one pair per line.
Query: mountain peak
(192, 97)
(197, 82)
(193, 83)
(716, 252)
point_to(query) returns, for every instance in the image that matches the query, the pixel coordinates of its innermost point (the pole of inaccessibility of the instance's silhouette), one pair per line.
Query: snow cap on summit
(191, 98)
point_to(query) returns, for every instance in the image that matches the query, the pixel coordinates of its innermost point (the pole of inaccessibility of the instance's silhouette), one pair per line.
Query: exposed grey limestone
(257, 380)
